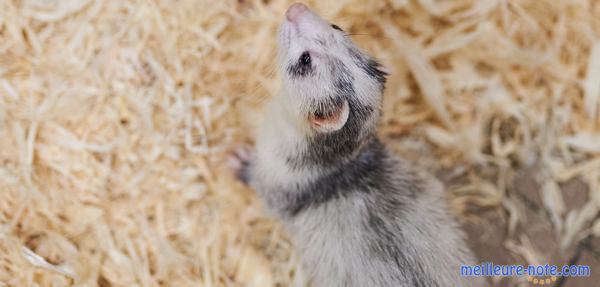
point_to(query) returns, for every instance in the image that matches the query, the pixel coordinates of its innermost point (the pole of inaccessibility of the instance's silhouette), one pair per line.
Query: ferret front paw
(240, 161)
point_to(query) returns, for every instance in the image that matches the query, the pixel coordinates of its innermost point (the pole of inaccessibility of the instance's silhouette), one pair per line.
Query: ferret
(358, 215)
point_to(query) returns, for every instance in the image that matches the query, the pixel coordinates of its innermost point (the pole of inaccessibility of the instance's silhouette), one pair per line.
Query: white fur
(332, 238)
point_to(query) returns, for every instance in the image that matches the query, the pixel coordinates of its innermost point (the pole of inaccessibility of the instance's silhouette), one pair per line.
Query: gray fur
(358, 215)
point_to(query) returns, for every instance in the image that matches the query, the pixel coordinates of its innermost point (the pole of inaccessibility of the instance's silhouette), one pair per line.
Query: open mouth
(331, 114)
(326, 108)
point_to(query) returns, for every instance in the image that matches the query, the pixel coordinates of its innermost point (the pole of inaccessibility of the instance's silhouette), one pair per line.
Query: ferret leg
(240, 162)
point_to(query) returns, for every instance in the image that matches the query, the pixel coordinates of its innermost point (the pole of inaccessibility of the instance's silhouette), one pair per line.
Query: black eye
(319, 114)
(334, 26)
(305, 59)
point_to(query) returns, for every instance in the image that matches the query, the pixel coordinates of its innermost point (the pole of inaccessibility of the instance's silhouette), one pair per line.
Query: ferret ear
(332, 122)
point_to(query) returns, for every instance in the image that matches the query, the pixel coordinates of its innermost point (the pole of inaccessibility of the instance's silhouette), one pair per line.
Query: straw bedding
(116, 118)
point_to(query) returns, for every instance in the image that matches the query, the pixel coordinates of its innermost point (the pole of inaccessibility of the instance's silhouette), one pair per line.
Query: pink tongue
(295, 11)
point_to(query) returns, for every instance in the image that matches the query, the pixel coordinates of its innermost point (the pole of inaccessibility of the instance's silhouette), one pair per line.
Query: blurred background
(116, 118)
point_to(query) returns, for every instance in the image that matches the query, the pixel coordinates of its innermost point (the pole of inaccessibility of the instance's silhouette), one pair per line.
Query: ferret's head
(331, 88)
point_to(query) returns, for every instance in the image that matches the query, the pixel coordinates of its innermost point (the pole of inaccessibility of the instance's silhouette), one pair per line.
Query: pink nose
(295, 11)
